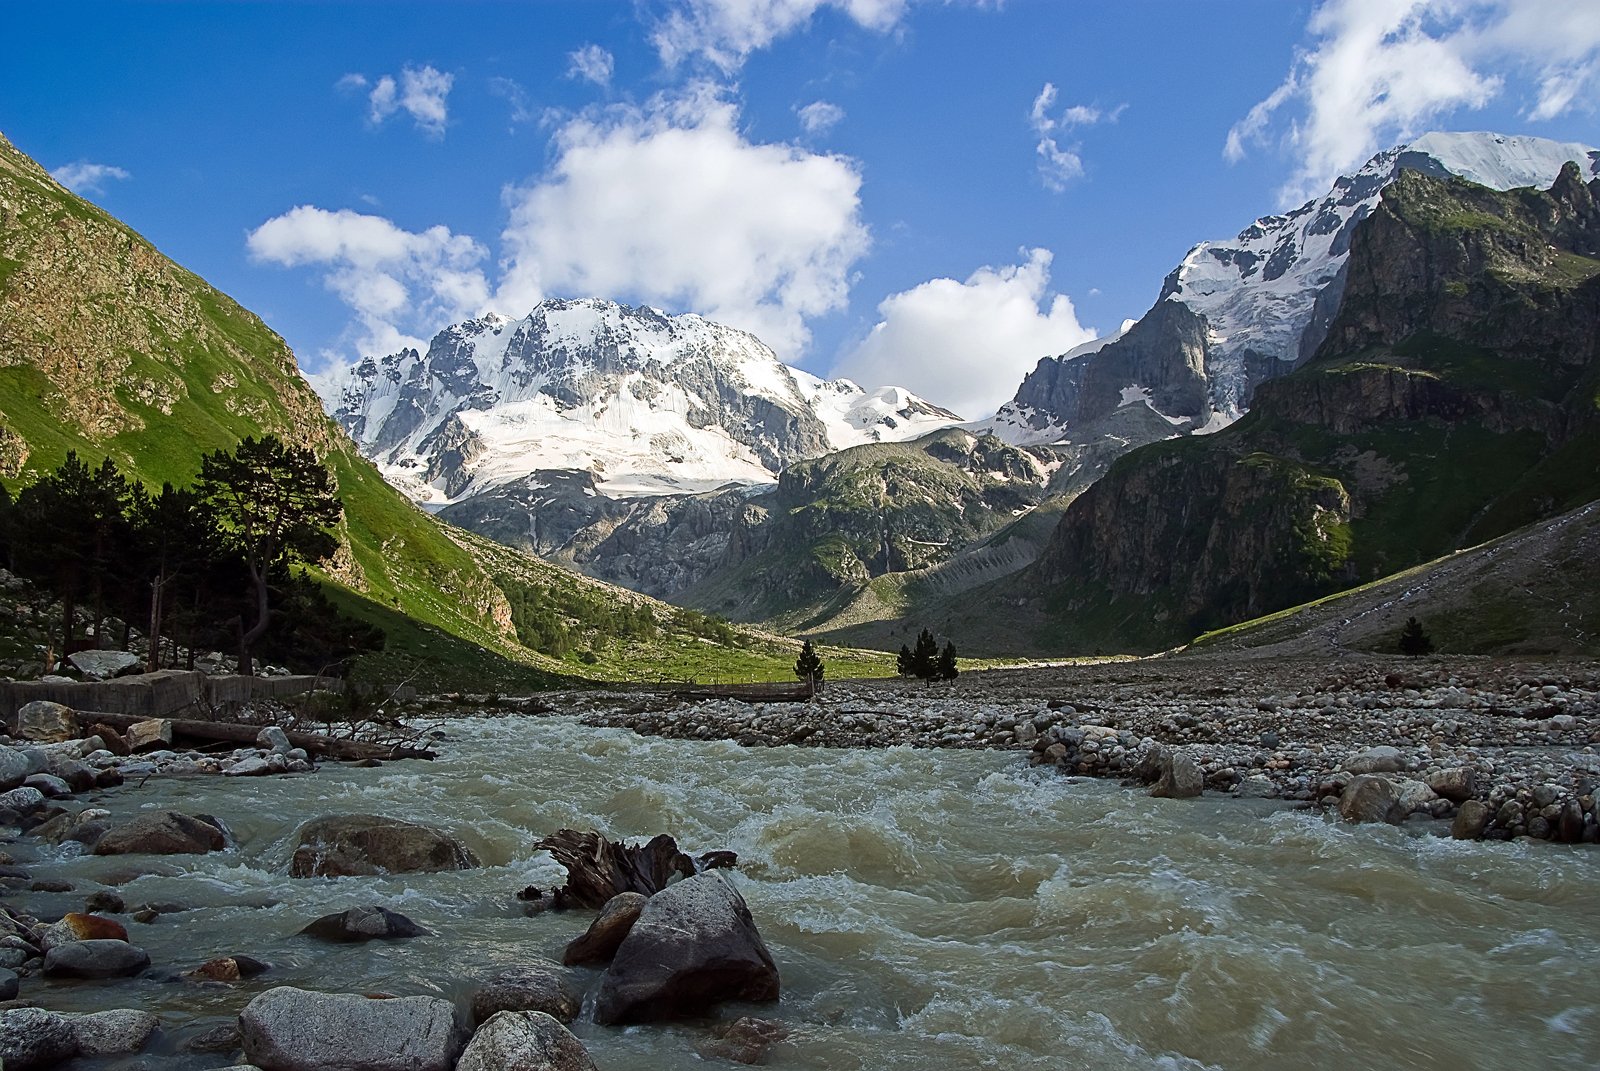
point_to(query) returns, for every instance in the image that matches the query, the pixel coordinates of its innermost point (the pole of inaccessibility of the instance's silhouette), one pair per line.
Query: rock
(273, 739)
(10, 985)
(163, 833)
(524, 1041)
(1411, 796)
(342, 845)
(694, 945)
(538, 985)
(1457, 784)
(364, 924)
(104, 900)
(110, 1033)
(224, 1038)
(46, 723)
(86, 827)
(744, 1041)
(254, 766)
(110, 739)
(19, 803)
(48, 785)
(1470, 820)
(154, 733)
(95, 959)
(227, 969)
(14, 768)
(1375, 760)
(33, 1037)
(1180, 778)
(103, 665)
(605, 934)
(289, 1029)
(1369, 798)
(76, 926)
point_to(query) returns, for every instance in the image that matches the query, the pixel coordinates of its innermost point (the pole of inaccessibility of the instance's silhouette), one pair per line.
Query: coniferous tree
(808, 667)
(902, 662)
(925, 657)
(947, 663)
(1414, 642)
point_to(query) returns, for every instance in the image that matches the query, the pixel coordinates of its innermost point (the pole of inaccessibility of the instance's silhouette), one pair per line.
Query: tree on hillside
(925, 656)
(275, 502)
(178, 545)
(808, 667)
(902, 662)
(947, 663)
(1414, 642)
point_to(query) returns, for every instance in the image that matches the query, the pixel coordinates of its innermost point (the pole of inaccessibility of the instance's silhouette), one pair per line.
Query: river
(927, 909)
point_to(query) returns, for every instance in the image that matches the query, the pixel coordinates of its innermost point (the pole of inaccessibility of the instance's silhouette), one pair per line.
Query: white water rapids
(927, 909)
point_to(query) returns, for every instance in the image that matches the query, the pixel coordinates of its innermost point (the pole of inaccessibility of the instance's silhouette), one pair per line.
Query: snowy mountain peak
(645, 401)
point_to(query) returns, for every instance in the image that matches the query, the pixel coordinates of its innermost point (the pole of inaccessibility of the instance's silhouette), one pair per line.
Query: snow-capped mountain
(646, 402)
(1237, 312)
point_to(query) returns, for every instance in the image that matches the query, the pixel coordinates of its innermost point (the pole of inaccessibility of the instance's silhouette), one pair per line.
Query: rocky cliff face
(1452, 399)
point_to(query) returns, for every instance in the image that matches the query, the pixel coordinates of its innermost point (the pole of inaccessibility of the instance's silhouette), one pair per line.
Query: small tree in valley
(925, 656)
(275, 503)
(808, 667)
(947, 663)
(1414, 642)
(903, 662)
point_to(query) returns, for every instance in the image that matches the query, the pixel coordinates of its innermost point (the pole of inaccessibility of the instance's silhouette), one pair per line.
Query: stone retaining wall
(157, 695)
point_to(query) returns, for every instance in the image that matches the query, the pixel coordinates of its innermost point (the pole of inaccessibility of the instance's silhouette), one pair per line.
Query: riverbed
(926, 908)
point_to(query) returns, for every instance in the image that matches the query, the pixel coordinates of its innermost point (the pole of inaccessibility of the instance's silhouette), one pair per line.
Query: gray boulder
(364, 924)
(10, 984)
(14, 768)
(694, 945)
(33, 1037)
(289, 1029)
(274, 739)
(19, 803)
(164, 833)
(537, 985)
(254, 766)
(1470, 820)
(606, 933)
(1370, 798)
(1457, 785)
(524, 1041)
(46, 723)
(359, 844)
(111, 1033)
(95, 959)
(49, 785)
(103, 665)
(1383, 759)
(1180, 778)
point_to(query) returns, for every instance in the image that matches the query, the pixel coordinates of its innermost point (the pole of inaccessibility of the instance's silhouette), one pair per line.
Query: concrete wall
(156, 695)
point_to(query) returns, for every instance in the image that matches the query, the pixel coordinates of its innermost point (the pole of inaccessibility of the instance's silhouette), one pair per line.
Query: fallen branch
(598, 869)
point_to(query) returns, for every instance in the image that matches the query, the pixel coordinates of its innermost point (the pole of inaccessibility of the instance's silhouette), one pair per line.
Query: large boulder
(14, 768)
(599, 943)
(19, 803)
(111, 1033)
(536, 985)
(1470, 820)
(95, 959)
(1382, 759)
(46, 723)
(78, 926)
(364, 924)
(356, 844)
(289, 1029)
(1370, 798)
(33, 1037)
(86, 827)
(1457, 784)
(1181, 778)
(149, 734)
(103, 665)
(524, 1041)
(164, 833)
(694, 945)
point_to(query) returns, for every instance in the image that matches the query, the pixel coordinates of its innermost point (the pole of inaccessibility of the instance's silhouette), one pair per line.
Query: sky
(929, 193)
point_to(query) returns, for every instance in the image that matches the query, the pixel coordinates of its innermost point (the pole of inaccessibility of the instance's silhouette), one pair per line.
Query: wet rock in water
(110, 1033)
(106, 901)
(254, 766)
(364, 924)
(598, 869)
(694, 945)
(10, 984)
(1369, 798)
(49, 886)
(227, 969)
(289, 1029)
(599, 943)
(1470, 820)
(224, 1038)
(163, 833)
(33, 1037)
(744, 1041)
(95, 959)
(19, 803)
(14, 768)
(45, 722)
(77, 926)
(1180, 778)
(539, 986)
(1457, 784)
(1375, 760)
(86, 827)
(524, 1041)
(361, 844)
(50, 786)
(721, 859)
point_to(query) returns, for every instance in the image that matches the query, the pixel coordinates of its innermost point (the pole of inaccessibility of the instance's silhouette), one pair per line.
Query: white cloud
(670, 205)
(421, 92)
(522, 106)
(401, 285)
(1380, 71)
(966, 345)
(83, 177)
(820, 116)
(591, 63)
(1059, 164)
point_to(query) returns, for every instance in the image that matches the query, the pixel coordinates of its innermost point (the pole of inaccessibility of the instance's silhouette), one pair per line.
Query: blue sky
(934, 193)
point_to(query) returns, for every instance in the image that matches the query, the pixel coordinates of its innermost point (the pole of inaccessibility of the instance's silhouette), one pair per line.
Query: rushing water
(927, 909)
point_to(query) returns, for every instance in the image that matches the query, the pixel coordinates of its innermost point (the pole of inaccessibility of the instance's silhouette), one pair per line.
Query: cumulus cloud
(592, 64)
(671, 205)
(420, 92)
(401, 285)
(1381, 71)
(84, 177)
(1059, 164)
(966, 344)
(819, 117)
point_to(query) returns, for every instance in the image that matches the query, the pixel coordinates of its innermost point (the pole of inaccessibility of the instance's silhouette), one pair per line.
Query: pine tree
(1413, 640)
(947, 663)
(808, 667)
(902, 662)
(925, 658)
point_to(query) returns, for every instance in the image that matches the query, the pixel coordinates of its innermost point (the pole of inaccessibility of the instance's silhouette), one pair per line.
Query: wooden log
(598, 869)
(233, 733)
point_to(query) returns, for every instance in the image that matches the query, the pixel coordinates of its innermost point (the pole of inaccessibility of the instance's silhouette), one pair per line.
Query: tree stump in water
(598, 869)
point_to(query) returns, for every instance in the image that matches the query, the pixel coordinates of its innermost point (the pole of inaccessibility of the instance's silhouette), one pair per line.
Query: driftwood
(748, 693)
(213, 732)
(598, 869)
